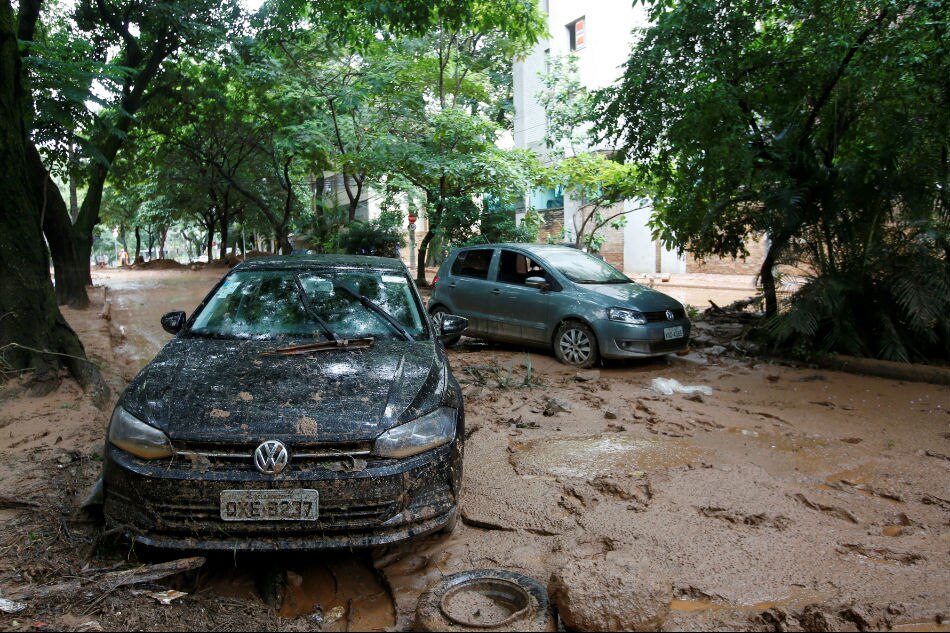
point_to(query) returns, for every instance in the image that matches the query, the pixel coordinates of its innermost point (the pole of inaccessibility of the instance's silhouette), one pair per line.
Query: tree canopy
(822, 125)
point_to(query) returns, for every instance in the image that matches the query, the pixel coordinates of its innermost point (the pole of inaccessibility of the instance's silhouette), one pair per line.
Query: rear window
(473, 263)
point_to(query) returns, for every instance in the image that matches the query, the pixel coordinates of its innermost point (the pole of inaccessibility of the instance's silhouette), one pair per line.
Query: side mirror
(450, 325)
(537, 282)
(173, 322)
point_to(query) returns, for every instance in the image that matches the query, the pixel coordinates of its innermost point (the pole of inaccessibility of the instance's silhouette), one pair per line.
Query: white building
(600, 34)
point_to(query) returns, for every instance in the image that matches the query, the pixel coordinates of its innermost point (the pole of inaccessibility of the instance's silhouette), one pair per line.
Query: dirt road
(786, 498)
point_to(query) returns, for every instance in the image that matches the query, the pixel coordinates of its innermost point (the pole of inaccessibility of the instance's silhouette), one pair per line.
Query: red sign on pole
(412, 218)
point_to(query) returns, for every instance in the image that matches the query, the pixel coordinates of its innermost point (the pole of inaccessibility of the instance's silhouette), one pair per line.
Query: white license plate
(269, 505)
(670, 333)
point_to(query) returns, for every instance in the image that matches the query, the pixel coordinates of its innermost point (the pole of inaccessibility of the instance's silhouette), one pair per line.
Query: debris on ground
(669, 386)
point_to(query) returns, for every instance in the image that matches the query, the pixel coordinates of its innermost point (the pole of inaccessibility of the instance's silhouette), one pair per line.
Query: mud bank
(788, 498)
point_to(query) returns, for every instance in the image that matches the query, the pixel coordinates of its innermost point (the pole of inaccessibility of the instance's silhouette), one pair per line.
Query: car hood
(206, 390)
(635, 296)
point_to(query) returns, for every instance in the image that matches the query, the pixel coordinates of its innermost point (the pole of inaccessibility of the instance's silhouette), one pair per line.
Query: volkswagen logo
(271, 457)
(669, 315)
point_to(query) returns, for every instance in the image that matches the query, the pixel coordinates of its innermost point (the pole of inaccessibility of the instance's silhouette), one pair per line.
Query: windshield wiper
(337, 343)
(375, 307)
(329, 333)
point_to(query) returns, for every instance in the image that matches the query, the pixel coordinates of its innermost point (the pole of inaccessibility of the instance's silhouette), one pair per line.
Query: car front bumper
(626, 340)
(171, 504)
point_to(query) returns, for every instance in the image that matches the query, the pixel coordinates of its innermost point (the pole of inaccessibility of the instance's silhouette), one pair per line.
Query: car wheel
(518, 603)
(575, 344)
(449, 527)
(448, 341)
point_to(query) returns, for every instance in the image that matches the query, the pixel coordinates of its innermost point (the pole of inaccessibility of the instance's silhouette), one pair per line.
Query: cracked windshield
(456, 315)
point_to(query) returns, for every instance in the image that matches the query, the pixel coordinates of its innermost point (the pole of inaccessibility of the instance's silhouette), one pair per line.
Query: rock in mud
(587, 376)
(610, 414)
(614, 594)
(554, 406)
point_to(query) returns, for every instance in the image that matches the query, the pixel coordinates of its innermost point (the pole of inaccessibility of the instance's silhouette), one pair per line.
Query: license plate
(269, 505)
(671, 333)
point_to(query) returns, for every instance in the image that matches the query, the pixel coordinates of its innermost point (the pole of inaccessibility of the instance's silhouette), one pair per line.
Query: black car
(306, 404)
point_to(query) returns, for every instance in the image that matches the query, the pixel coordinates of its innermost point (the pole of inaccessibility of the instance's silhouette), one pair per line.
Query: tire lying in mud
(485, 600)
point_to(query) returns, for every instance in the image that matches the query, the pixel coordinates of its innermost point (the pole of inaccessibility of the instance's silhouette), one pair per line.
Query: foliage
(823, 125)
(377, 237)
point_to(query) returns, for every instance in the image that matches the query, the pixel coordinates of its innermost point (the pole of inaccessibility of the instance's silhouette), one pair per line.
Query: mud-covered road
(786, 499)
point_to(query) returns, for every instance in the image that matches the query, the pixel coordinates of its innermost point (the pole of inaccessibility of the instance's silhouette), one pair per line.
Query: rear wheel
(448, 341)
(575, 344)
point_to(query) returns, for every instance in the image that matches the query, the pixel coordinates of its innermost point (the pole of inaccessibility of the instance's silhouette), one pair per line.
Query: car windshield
(265, 304)
(582, 268)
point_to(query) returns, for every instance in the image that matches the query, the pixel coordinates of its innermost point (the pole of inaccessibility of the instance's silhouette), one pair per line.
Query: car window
(473, 263)
(268, 304)
(515, 268)
(582, 268)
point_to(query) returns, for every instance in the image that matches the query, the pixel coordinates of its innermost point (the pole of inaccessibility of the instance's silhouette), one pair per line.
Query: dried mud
(796, 499)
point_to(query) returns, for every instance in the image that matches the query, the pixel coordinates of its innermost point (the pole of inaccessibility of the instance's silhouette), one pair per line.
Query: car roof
(322, 261)
(540, 249)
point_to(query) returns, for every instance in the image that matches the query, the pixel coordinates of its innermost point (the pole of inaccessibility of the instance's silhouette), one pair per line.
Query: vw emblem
(669, 315)
(271, 457)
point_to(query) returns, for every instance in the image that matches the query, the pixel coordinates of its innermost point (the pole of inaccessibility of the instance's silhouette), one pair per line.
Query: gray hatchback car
(557, 297)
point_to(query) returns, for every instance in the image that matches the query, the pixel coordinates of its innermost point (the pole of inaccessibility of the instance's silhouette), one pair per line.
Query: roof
(322, 261)
(537, 248)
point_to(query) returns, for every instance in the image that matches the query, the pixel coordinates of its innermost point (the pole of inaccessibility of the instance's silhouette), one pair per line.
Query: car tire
(449, 527)
(536, 614)
(576, 345)
(448, 341)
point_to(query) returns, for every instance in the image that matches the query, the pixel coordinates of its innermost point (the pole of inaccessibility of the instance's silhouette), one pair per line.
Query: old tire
(520, 603)
(575, 344)
(448, 341)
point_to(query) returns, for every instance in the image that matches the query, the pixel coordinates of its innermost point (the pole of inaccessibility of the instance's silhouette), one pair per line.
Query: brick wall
(750, 265)
(553, 223)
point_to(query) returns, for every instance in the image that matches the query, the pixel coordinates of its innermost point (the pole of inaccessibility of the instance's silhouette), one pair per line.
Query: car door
(469, 289)
(521, 311)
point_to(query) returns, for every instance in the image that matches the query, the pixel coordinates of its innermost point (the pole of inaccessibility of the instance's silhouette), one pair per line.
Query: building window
(575, 34)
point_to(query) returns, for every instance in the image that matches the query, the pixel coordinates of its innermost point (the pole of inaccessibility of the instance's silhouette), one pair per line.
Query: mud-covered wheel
(448, 341)
(575, 344)
(485, 600)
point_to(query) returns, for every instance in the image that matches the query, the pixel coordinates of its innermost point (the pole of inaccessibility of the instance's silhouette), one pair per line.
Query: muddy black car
(307, 403)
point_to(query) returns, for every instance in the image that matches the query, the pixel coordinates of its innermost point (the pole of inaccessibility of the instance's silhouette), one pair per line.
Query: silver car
(556, 297)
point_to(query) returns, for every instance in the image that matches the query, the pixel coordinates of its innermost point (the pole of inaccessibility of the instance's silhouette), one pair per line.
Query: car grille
(232, 458)
(653, 317)
(195, 517)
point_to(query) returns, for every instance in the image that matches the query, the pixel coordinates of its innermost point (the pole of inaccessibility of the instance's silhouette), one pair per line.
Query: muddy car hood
(223, 390)
(634, 295)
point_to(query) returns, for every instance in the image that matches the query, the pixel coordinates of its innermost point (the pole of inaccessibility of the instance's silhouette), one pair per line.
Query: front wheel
(575, 344)
(448, 341)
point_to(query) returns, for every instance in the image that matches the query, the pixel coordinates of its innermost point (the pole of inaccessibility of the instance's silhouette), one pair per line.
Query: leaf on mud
(306, 426)
(245, 396)
(220, 413)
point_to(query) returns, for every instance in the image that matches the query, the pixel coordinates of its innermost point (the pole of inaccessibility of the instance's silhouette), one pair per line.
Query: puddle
(780, 442)
(797, 597)
(588, 457)
(333, 591)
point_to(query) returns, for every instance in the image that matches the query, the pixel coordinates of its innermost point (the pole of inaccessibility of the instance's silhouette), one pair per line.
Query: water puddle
(588, 457)
(796, 598)
(334, 592)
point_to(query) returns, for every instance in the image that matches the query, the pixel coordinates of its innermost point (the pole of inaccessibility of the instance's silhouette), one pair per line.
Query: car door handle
(452, 285)
(496, 291)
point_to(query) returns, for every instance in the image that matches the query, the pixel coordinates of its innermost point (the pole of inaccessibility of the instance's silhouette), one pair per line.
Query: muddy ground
(789, 498)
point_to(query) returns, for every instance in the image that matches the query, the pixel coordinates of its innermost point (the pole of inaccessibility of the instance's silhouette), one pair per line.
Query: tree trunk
(34, 334)
(138, 245)
(161, 243)
(225, 220)
(767, 276)
(73, 186)
(421, 266)
(210, 240)
(67, 268)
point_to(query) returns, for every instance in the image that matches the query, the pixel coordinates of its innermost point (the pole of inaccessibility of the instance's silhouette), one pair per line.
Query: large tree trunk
(67, 268)
(421, 262)
(33, 333)
(767, 277)
(138, 244)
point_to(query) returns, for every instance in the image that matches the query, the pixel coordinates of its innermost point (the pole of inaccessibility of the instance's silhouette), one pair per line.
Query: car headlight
(430, 431)
(626, 316)
(136, 437)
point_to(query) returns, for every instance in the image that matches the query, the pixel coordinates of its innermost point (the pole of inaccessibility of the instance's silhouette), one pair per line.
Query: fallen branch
(6, 503)
(113, 580)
